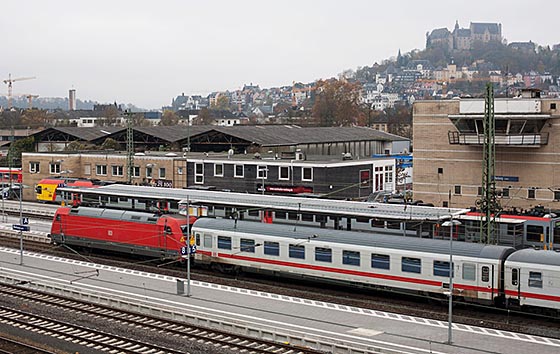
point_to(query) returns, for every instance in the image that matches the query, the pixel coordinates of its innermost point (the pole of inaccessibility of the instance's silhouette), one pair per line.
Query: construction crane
(30, 100)
(9, 81)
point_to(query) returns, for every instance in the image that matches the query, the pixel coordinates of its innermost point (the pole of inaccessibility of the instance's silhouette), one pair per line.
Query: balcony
(457, 138)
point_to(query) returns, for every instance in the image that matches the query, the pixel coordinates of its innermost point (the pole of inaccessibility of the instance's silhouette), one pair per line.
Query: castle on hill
(464, 38)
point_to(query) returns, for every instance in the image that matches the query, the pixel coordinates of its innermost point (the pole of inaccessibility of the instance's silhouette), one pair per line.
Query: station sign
(20, 227)
(185, 250)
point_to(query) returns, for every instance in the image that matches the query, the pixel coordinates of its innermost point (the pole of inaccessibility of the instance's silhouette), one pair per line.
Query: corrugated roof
(356, 238)
(86, 133)
(174, 133)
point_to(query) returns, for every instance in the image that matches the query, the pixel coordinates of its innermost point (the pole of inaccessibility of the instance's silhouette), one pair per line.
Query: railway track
(10, 346)
(103, 340)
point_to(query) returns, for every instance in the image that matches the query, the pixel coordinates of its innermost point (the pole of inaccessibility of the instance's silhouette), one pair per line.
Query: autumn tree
(337, 104)
(110, 116)
(138, 120)
(169, 118)
(222, 103)
(35, 118)
(204, 117)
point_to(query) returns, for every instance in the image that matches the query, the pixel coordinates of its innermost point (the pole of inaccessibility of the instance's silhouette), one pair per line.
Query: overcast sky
(147, 52)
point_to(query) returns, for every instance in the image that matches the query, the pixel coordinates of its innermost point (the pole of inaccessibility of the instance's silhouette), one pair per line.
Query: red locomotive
(132, 232)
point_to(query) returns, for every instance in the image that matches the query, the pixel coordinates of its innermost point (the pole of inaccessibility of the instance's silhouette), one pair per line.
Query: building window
(224, 242)
(556, 195)
(553, 106)
(54, 167)
(307, 174)
(239, 171)
(272, 248)
(323, 254)
(149, 172)
(218, 170)
(351, 258)
(440, 170)
(531, 193)
(117, 171)
(380, 261)
(262, 172)
(479, 191)
(136, 171)
(162, 172)
(505, 193)
(87, 169)
(445, 204)
(535, 279)
(284, 172)
(411, 265)
(389, 174)
(101, 170)
(457, 189)
(199, 173)
(441, 269)
(34, 167)
(297, 251)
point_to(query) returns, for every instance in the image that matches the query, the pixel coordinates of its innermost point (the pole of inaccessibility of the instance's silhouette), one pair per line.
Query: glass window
(34, 167)
(271, 248)
(254, 212)
(162, 172)
(262, 172)
(531, 193)
(284, 172)
(380, 261)
(505, 192)
(197, 239)
(199, 173)
(136, 171)
(218, 170)
(117, 170)
(247, 245)
(323, 254)
(224, 242)
(101, 170)
(469, 271)
(515, 276)
(457, 189)
(148, 172)
(297, 251)
(411, 265)
(535, 233)
(485, 274)
(535, 279)
(307, 174)
(239, 171)
(207, 241)
(556, 195)
(54, 167)
(351, 258)
(441, 269)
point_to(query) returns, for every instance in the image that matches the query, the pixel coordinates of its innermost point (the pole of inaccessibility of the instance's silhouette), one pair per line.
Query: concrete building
(448, 144)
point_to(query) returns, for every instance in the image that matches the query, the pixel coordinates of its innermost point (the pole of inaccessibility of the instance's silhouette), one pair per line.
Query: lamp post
(451, 223)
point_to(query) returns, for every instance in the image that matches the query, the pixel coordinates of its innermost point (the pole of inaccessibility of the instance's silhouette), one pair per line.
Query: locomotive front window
(351, 258)
(515, 276)
(535, 233)
(411, 265)
(323, 254)
(469, 272)
(380, 261)
(224, 242)
(485, 274)
(441, 269)
(297, 251)
(271, 248)
(535, 279)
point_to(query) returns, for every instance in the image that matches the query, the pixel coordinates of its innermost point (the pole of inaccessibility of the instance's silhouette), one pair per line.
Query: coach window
(535, 233)
(411, 265)
(239, 171)
(306, 217)
(254, 212)
(101, 170)
(162, 172)
(283, 172)
(469, 271)
(441, 269)
(34, 167)
(271, 248)
(224, 242)
(535, 279)
(297, 251)
(351, 258)
(207, 241)
(514, 276)
(247, 245)
(280, 214)
(380, 261)
(197, 238)
(218, 170)
(485, 274)
(307, 174)
(323, 254)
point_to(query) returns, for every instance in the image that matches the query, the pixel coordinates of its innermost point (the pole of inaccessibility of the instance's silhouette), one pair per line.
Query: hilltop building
(464, 38)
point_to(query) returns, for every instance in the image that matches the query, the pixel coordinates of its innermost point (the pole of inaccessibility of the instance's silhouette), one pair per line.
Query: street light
(451, 223)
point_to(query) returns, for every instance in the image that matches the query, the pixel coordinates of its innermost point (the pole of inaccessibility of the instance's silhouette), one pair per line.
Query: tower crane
(30, 100)
(9, 81)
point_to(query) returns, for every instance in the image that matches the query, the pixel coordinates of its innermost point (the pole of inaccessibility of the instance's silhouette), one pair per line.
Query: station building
(448, 140)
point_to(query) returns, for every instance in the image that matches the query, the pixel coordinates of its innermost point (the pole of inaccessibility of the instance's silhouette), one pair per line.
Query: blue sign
(25, 221)
(20, 227)
(191, 251)
(506, 178)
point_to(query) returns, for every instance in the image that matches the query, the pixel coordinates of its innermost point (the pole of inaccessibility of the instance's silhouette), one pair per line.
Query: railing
(457, 138)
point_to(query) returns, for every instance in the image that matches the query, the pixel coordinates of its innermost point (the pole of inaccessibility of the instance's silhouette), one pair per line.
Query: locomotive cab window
(224, 242)
(535, 279)
(380, 261)
(271, 248)
(515, 276)
(323, 254)
(351, 258)
(469, 271)
(297, 251)
(485, 274)
(411, 265)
